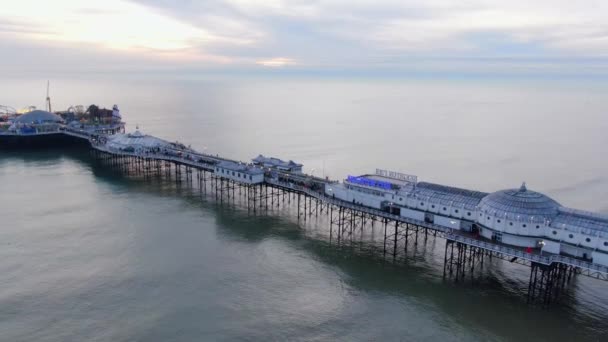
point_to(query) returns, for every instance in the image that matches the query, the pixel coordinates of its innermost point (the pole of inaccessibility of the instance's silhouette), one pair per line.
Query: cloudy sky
(384, 37)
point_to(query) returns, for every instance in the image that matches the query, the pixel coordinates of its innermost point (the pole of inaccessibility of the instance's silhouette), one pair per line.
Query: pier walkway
(463, 250)
(206, 162)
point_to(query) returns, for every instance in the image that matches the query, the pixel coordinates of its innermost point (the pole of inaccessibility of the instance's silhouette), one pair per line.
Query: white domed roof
(136, 134)
(519, 204)
(38, 116)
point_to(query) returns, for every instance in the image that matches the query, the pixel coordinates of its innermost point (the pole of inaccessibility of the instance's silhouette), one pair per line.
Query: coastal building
(36, 121)
(516, 217)
(277, 164)
(240, 172)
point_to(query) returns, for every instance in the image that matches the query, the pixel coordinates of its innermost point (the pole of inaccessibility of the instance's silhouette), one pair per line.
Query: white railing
(501, 249)
(345, 204)
(160, 156)
(543, 259)
(36, 132)
(77, 133)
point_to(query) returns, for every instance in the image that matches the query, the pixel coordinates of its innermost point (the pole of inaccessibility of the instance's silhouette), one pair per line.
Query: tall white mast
(48, 98)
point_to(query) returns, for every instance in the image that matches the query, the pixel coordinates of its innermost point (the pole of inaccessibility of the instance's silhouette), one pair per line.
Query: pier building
(516, 217)
(39, 117)
(38, 128)
(240, 172)
(37, 121)
(277, 164)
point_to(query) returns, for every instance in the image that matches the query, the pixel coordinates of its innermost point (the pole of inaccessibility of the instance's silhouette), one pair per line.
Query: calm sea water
(89, 255)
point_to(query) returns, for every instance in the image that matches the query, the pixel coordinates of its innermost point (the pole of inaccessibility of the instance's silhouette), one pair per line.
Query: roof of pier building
(514, 204)
(581, 221)
(520, 205)
(240, 167)
(38, 116)
(275, 162)
(397, 182)
(136, 139)
(447, 195)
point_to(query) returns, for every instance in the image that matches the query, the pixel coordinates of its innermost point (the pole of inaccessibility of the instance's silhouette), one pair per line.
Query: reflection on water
(91, 255)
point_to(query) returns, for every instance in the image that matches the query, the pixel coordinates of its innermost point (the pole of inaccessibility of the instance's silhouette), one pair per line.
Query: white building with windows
(517, 217)
(240, 172)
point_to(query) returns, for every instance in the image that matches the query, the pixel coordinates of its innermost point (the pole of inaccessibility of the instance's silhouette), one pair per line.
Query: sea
(89, 254)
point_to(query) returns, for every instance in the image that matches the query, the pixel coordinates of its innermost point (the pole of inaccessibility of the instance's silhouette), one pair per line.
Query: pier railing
(513, 252)
(160, 156)
(207, 162)
(328, 199)
(449, 233)
(538, 258)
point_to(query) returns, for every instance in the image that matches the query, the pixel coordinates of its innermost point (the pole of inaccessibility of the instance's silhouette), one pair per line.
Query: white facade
(517, 217)
(413, 214)
(600, 258)
(551, 247)
(447, 222)
(240, 173)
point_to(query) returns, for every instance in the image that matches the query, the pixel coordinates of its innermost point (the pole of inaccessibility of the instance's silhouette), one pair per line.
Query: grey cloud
(401, 35)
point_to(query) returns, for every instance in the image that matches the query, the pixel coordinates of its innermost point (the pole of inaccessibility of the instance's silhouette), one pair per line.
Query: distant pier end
(39, 128)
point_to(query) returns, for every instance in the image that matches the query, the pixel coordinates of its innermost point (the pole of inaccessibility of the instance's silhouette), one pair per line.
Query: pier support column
(547, 282)
(460, 259)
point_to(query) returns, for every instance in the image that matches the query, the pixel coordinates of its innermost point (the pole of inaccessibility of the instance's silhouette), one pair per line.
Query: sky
(540, 38)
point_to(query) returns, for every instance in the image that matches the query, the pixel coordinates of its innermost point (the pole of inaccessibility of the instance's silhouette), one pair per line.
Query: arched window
(510, 223)
(570, 236)
(554, 232)
(523, 225)
(588, 239)
(498, 221)
(537, 226)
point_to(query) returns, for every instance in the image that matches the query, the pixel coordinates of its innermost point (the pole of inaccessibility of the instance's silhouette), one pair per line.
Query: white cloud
(276, 62)
(116, 24)
(113, 24)
(286, 8)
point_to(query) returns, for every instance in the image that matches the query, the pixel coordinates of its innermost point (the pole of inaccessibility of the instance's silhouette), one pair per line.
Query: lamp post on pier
(541, 243)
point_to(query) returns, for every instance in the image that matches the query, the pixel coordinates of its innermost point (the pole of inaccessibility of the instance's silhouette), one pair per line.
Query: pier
(265, 184)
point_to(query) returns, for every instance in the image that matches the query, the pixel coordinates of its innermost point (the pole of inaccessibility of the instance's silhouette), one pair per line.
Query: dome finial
(523, 188)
